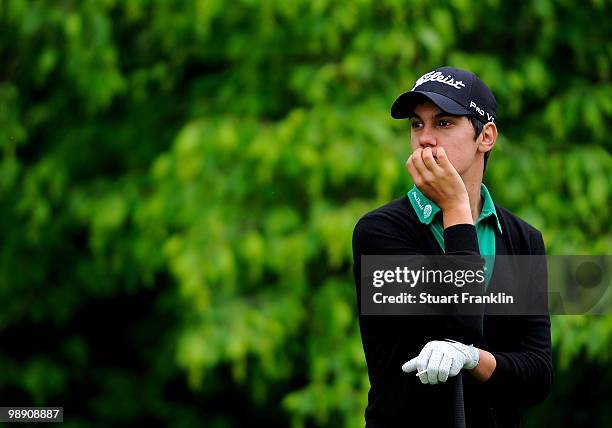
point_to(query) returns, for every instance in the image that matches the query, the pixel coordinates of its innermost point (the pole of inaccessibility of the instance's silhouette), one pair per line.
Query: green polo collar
(426, 209)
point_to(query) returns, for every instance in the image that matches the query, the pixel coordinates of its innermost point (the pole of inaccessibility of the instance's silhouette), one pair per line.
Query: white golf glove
(441, 359)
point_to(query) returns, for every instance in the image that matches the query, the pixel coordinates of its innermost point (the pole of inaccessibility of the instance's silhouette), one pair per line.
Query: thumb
(410, 366)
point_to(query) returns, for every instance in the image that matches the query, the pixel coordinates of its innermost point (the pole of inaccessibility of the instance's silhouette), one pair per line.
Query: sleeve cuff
(461, 239)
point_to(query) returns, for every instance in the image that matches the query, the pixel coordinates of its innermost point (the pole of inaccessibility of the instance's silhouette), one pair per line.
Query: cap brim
(404, 105)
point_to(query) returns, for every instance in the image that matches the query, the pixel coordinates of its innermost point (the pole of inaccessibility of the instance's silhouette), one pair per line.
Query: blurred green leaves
(218, 158)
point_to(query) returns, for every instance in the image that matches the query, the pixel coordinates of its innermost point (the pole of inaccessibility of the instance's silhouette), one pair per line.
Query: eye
(444, 122)
(415, 124)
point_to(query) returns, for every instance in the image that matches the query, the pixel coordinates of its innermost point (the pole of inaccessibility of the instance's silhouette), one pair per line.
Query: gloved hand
(440, 359)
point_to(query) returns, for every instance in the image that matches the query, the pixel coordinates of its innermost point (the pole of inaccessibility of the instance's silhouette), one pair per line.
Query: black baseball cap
(454, 91)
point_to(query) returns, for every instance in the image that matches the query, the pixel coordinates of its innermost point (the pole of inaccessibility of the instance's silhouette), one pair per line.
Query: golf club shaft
(459, 409)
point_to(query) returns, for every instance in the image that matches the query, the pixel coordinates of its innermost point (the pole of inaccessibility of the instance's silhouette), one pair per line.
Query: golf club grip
(459, 409)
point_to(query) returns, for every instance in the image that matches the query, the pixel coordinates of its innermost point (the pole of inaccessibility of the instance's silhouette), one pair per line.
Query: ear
(487, 137)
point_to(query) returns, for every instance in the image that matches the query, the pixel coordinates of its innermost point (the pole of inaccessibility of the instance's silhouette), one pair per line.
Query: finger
(442, 159)
(456, 367)
(422, 361)
(423, 358)
(417, 161)
(423, 378)
(445, 366)
(411, 169)
(410, 365)
(433, 366)
(429, 161)
(434, 152)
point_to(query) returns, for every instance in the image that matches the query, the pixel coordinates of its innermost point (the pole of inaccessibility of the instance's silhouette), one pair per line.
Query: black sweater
(521, 344)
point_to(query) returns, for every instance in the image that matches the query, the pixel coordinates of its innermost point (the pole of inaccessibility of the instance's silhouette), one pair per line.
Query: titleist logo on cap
(436, 76)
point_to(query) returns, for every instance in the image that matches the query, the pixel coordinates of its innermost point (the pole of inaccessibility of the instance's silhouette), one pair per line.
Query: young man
(450, 211)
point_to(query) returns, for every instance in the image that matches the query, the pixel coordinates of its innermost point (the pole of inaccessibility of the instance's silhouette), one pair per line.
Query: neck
(473, 180)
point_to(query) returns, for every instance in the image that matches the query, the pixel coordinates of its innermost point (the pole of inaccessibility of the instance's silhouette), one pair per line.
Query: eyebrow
(437, 115)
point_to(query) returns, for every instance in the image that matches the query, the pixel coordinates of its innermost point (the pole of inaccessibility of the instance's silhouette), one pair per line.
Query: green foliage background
(179, 181)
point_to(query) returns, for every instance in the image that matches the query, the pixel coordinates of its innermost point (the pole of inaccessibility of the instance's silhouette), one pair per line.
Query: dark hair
(478, 126)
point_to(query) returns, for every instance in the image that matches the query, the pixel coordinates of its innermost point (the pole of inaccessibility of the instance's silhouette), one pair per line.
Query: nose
(427, 138)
